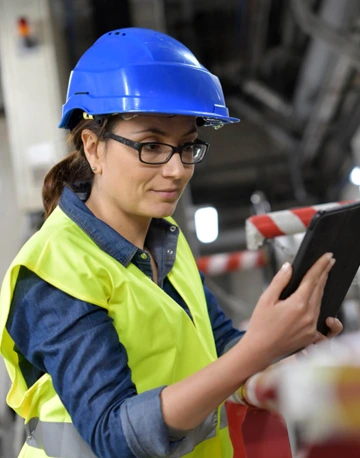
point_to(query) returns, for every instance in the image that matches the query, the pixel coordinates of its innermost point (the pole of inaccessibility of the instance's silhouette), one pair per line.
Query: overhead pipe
(267, 96)
(316, 28)
(281, 137)
(332, 86)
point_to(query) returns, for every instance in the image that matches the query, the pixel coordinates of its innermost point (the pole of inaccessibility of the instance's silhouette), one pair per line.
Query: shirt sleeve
(77, 344)
(225, 335)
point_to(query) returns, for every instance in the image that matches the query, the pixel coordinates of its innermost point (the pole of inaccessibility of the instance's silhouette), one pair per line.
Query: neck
(133, 229)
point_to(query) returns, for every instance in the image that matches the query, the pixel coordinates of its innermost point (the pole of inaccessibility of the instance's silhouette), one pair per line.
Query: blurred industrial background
(289, 70)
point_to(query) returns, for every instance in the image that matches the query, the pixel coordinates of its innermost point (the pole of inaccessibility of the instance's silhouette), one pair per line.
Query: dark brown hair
(74, 168)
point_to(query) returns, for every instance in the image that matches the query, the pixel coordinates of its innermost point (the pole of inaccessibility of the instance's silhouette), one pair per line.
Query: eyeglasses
(159, 153)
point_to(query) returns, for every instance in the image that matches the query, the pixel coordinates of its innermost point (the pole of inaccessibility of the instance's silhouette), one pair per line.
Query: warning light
(23, 27)
(25, 34)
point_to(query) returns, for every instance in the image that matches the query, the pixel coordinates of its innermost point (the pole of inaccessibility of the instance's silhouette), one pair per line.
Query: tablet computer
(335, 230)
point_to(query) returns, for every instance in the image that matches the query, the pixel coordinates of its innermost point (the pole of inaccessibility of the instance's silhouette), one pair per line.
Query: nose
(174, 167)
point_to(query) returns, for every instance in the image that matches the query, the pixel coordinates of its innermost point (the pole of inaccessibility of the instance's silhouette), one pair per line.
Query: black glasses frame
(174, 149)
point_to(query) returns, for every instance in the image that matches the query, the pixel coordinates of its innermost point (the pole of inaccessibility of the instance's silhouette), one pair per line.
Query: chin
(164, 211)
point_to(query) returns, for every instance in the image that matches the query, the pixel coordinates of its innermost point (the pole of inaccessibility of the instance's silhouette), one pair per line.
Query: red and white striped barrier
(286, 222)
(227, 262)
(328, 378)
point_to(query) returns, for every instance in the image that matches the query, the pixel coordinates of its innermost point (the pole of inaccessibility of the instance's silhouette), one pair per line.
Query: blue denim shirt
(77, 344)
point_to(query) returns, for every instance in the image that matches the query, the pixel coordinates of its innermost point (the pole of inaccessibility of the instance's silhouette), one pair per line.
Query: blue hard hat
(137, 70)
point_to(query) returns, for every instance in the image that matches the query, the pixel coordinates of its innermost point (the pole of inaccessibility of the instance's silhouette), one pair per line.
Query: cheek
(126, 176)
(117, 167)
(190, 172)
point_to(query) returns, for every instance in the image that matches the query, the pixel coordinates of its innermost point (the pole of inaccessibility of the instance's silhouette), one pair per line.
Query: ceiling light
(355, 176)
(206, 224)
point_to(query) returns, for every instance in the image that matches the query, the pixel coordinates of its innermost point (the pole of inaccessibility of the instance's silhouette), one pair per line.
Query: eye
(191, 146)
(155, 148)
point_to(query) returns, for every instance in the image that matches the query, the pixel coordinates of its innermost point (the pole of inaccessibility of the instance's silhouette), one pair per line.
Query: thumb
(272, 293)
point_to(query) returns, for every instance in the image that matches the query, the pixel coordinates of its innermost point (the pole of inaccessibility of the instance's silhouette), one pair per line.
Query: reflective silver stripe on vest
(206, 430)
(61, 440)
(223, 417)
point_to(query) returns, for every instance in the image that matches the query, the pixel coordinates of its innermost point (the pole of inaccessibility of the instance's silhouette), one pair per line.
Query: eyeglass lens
(154, 153)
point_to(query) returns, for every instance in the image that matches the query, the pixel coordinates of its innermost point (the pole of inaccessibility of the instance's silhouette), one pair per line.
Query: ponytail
(74, 168)
(71, 169)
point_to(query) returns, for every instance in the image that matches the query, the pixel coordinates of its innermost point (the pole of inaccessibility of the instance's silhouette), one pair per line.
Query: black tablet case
(336, 230)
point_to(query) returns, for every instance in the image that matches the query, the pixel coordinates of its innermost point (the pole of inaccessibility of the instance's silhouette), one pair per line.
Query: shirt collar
(72, 203)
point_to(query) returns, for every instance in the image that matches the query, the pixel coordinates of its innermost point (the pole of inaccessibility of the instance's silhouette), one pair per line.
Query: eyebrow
(154, 130)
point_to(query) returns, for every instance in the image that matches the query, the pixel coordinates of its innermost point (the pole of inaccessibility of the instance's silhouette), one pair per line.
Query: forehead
(161, 123)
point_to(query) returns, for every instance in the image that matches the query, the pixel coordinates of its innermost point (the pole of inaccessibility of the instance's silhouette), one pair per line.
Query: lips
(168, 193)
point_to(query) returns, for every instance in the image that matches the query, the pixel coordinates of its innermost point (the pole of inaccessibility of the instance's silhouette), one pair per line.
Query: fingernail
(285, 267)
(332, 261)
(329, 255)
(331, 320)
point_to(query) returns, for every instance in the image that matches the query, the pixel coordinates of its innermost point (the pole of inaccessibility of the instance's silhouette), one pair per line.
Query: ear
(91, 148)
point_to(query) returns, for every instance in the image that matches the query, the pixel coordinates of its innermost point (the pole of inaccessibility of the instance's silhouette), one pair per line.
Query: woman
(107, 327)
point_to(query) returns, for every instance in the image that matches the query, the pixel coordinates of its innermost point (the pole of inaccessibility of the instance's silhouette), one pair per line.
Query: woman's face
(137, 189)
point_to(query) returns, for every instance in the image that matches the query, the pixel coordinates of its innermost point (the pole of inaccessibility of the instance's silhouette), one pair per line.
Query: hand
(335, 327)
(280, 327)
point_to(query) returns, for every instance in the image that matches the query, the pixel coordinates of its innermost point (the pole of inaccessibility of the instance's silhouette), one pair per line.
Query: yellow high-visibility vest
(171, 347)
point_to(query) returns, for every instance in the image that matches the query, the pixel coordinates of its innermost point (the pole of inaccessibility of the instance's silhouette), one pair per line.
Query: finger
(318, 292)
(272, 293)
(319, 338)
(314, 274)
(335, 327)
(312, 277)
